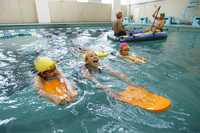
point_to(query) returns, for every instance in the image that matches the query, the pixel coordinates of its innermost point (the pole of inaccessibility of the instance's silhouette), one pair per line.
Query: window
(125, 2)
(106, 1)
(69, 0)
(82, 0)
(122, 2)
(141, 1)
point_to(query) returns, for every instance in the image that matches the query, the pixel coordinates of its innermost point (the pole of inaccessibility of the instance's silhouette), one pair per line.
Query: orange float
(55, 87)
(144, 99)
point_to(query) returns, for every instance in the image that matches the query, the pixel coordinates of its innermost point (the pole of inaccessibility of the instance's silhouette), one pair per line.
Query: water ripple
(6, 121)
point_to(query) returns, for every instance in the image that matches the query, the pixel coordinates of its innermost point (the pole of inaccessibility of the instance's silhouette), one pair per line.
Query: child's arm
(106, 89)
(70, 90)
(121, 76)
(135, 59)
(116, 74)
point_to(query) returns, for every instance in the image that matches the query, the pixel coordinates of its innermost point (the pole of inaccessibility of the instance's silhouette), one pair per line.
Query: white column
(42, 8)
(129, 8)
(115, 8)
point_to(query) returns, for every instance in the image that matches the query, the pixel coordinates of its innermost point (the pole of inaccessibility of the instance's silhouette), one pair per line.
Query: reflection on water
(172, 71)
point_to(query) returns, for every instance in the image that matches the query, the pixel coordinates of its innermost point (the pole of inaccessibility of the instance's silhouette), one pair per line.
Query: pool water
(173, 71)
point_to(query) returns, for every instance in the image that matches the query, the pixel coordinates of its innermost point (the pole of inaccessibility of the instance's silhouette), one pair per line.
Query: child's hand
(59, 100)
(41, 92)
(68, 98)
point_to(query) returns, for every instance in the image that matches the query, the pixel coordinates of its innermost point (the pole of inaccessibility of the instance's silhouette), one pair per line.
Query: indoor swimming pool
(173, 71)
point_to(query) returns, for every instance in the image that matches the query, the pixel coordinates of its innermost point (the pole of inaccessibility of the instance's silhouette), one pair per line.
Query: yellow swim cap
(43, 64)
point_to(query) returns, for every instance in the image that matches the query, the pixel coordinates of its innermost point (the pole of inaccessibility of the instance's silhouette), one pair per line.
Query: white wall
(17, 11)
(62, 11)
(65, 11)
(24, 11)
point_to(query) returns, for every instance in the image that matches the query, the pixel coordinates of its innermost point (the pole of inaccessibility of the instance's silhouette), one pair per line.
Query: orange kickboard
(55, 87)
(145, 99)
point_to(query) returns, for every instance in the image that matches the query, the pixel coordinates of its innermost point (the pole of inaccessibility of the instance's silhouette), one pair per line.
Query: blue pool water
(173, 71)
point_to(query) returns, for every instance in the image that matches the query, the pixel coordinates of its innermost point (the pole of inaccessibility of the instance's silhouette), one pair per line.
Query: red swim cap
(123, 45)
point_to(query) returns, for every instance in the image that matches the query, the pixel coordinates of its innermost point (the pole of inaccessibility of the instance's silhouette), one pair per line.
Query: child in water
(93, 66)
(132, 94)
(124, 54)
(51, 83)
(117, 25)
(159, 23)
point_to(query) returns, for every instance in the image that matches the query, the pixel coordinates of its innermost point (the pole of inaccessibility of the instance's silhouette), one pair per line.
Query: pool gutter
(54, 25)
(179, 28)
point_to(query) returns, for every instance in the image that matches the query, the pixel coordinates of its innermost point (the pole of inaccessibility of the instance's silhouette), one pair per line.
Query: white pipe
(115, 8)
(42, 8)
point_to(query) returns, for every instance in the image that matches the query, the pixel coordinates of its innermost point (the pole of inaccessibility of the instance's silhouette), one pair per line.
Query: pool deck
(179, 28)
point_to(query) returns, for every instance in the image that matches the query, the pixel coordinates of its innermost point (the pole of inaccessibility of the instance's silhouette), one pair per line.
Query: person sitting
(118, 26)
(51, 83)
(159, 23)
(124, 54)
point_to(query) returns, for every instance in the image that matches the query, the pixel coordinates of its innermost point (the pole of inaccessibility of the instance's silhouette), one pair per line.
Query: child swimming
(133, 94)
(92, 66)
(124, 54)
(51, 83)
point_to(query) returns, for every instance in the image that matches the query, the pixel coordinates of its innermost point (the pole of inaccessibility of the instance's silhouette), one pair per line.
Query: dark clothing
(122, 33)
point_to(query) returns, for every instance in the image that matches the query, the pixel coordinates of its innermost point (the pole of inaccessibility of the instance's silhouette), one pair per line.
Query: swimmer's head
(119, 15)
(92, 59)
(45, 66)
(124, 49)
(162, 15)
